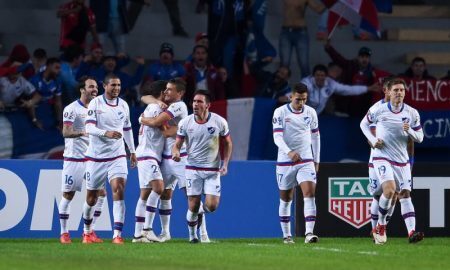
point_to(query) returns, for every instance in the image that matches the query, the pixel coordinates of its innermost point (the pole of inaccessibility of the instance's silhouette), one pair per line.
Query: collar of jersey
(106, 101)
(207, 119)
(390, 108)
(81, 103)
(292, 111)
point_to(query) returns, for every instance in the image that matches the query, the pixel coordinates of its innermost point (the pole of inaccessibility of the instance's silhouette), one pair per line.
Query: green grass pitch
(233, 254)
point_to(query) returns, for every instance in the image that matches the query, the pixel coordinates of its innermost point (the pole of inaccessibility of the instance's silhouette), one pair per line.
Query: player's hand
(405, 126)
(176, 157)
(133, 160)
(316, 166)
(113, 135)
(379, 144)
(224, 170)
(294, 156)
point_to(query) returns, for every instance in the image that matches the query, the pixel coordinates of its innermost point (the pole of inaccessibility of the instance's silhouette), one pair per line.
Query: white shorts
(148, 170)
(98, 172)
(375, 188)
(386, 171)
(202, 182)
(289, 177)
(174, 172)
(72, 175)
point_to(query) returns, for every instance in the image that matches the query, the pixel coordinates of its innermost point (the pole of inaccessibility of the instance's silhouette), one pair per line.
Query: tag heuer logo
(349, 200)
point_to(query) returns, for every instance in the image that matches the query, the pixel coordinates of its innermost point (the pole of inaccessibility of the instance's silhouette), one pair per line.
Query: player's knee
(68, 195)
(404, 194)
(211, 207)
(91, 201)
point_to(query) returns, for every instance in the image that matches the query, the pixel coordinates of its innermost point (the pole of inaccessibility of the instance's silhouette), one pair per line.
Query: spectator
(111, 17)
(39, 59)
(321, 87)
(357, 71)
(418, 70)
(335, 71)
(201, 38)
(17, 92)
(201, 75)
(20, 56)
(134, 10)
(294, 34)
(48, 87)
(72, 58)
(76, 21)
(175, 20)
(229, 87)
(277, 86)
(165, 69)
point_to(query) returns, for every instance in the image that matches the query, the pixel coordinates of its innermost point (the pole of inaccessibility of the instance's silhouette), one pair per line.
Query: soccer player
(201, 131)
(108, 125)
(395, 122)
(76, 143)
(148, 152)
(296, 133)
(173, 172)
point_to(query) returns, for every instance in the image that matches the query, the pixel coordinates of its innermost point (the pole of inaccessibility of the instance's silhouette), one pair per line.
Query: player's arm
(410, 149)
(58, 111)
(278, 130)
(227, 150)
(315, 141)
(414, 131)
(149, 99)
(181, 134)
(91, 125)
(169, 131)
(156, 121)
(128, 138)
(347, 90)
(68, 131)
(365, 128)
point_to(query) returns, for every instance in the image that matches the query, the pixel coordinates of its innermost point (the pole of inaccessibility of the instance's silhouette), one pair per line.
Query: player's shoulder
(216, 117)
(283, 108)
(178, 104)
(187, 119)
(409, 109)
(309, 109)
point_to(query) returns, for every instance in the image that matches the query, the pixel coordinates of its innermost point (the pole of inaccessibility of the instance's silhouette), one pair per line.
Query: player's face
(298, 100)
(397, 93)
(112, 88)
(319, 77)
(171, 94)
(90, 89)
(200, 105)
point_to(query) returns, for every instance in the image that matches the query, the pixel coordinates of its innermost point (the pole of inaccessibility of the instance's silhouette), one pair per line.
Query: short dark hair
(179, 83)
(395, 81)
(52, 60)
(73, 52)
(155, 88)
(299, 88)
(82, 82)
(418, 59)
(40, 53)
(386, 81)
(110, 77)
(320, 67)
(199, 46)
(204, 93)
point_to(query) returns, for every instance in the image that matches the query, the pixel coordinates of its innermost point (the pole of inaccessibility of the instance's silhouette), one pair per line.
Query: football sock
(165, 210)
(284, 211)
(88, 213)
(309, 210)
(139, 217)
(383, 207)
(119, 217)
(192, 220)
(98, 210)
(408, 214)
(374, 213)
(64, 210)
(152, 205)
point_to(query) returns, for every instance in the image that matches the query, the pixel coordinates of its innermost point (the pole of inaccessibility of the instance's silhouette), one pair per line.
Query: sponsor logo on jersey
(349, 200)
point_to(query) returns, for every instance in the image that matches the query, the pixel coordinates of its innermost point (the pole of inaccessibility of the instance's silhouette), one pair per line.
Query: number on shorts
(88, 176)
(155, 168)
(69, 180)
(373, 183)
(188, 183)
(279, 177)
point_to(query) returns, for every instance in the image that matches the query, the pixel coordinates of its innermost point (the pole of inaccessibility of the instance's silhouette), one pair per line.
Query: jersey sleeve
(174, 110)
(277, 122)
(314, 122)
(415, 120)
(68, 115)
(181, 132)
(224, 130)
(127, 122)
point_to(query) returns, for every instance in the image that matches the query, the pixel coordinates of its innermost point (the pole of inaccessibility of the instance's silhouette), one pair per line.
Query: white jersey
(151, 139)
(75, 114)
(202, 141)
(107, 117)
(296, 128)
(373, 108)
(177, 111)
(389, 128)
(9, 92)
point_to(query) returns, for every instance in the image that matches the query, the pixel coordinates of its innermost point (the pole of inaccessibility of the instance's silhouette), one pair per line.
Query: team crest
(211, 130)
(349, 200)
(307, 120)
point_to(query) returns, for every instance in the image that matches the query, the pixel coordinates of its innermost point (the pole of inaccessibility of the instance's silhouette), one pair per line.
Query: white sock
(139, 217)
(64, 211)
(98, 210)
(390, 213)
(152, 205)
(374, 213)
(201, 210)
(192, 220)
(119, 217)
(309, 210)
(165, 210)
(408, 214)
(383, 207)
(88, 212)
(284, 211)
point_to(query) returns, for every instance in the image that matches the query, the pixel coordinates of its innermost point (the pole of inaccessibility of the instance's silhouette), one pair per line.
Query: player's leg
(165, 212)
(406, 205)
(139, 215)
(306, 177)
(194, 190)
(97, 213)
(374, 190)
(64, 212)
(151, 206)
(374, 211)
(286, 183)
(117, 175)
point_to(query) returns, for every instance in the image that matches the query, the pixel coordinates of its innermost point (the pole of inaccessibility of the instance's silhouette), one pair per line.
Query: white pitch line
(372, 253)
(261, 245)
